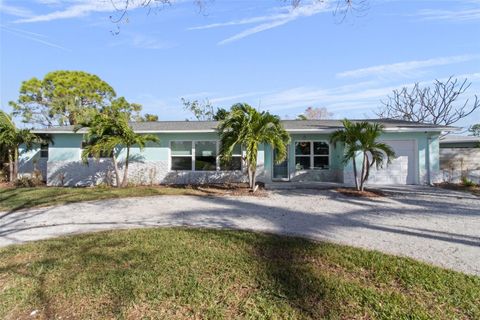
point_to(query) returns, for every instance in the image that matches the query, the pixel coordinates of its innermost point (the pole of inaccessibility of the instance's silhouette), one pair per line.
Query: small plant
(467, 182)
(28, 182)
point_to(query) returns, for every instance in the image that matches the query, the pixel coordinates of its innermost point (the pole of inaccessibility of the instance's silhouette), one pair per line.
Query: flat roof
(290, 125)
(458, 139)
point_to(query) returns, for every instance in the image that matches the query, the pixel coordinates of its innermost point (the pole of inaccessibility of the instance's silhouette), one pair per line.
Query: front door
(280, 171)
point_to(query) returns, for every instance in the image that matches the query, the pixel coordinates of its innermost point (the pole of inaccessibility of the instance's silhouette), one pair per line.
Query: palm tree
(362, 137)
(108, 133)
(247, 127)
(11, 138)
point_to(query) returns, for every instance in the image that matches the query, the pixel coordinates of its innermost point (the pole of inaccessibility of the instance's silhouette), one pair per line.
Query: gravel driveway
(438, 226)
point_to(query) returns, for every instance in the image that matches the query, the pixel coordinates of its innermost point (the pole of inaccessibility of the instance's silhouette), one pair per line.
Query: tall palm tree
(362, 137)
(245, 126)
(11, 138)
(108, 133)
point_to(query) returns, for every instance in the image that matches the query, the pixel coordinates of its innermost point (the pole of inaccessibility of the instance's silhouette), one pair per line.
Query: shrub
(25, 181)
(467, 182)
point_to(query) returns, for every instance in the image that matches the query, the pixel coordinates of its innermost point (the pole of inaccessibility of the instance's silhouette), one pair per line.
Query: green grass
(205, 274)
(22, 198)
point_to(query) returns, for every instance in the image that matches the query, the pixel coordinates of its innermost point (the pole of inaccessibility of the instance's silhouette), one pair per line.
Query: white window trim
(193, 155)
(312, 155)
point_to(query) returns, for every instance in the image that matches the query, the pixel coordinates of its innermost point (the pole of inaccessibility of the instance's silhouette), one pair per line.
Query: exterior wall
(30, 160)
(150, 166)
(333, 174)
(456, 163)
(427, 151)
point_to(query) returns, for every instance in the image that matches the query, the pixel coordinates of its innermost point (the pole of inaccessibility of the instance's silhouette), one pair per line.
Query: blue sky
(259, 52)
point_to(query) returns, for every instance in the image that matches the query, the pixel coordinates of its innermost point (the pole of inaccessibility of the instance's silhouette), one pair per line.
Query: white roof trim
(416, 129)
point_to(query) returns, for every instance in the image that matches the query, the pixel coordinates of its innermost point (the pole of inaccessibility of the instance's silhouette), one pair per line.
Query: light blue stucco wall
(66, 148)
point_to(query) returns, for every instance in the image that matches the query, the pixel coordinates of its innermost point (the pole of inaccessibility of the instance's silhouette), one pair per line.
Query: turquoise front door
(280, 170)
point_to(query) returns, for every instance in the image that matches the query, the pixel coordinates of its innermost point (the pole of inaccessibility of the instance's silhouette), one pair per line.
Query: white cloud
(14, 10)
(406, 67)
(32, 36)
(81, 8)
(284, 16)
(451, 15)
(143, 41)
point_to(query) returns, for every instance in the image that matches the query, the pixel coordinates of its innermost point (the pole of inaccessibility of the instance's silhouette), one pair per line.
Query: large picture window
(181, 155)
(312, 155)
(202, 156)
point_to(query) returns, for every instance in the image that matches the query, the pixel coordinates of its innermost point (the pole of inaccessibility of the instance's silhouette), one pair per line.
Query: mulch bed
(232, 189)
(367, 193)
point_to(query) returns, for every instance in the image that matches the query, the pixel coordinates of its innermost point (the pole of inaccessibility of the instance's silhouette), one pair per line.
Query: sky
(264, 53)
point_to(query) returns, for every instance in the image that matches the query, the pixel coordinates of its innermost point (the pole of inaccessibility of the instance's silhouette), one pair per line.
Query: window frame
(193, 156)
(312, 155)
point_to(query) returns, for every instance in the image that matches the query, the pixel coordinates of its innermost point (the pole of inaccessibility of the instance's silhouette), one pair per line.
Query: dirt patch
(367, 193)
(234, 189)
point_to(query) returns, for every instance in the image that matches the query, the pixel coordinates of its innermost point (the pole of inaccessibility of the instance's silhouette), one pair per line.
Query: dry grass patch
(21, 198)
(367, 193)
(474, 189)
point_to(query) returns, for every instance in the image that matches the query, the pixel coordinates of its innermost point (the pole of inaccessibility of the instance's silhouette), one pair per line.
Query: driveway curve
(440, 227)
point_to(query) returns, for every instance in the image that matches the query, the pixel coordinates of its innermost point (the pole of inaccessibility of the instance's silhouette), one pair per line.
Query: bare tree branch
(439, 104)
(122, 7)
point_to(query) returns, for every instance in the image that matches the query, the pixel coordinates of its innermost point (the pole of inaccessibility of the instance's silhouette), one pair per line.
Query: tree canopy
(61, 98)
(68, 98)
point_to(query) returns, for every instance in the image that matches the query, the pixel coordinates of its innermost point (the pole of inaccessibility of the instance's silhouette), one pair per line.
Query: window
(202, 156)
(235, 162)
(44, 150)
(311, 155)
(181, 155)
(205, 156)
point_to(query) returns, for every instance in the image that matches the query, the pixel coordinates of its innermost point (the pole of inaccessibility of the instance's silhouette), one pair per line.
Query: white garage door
(402, 170)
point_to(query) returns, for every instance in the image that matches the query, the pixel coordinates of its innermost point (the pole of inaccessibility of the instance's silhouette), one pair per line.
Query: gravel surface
(441, 227)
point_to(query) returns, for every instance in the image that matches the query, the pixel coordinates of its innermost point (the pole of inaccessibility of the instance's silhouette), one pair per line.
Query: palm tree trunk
(125, 173)
(15, 164)
(10, 166)
(117, 173)
(254, 180)
(355, 172)
(362, 178)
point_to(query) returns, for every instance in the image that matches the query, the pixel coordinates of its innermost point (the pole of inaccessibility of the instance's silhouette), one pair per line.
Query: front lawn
(205, 274)
(22, 198)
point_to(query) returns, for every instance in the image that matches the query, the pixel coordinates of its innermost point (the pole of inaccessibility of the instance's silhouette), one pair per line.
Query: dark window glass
(235, 163)
(320, 148)
(44, 151)
(205, 156)
(302, 148)
(320, 162)
(181, 163)
(302, 163)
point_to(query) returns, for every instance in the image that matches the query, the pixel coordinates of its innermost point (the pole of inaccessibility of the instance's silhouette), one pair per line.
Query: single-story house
(460, 158)
(188, 154)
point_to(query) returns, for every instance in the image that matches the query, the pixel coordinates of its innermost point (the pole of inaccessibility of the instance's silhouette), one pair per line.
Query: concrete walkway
(437, 226)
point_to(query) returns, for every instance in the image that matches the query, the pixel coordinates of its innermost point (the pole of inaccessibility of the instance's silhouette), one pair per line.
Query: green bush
(467, 182)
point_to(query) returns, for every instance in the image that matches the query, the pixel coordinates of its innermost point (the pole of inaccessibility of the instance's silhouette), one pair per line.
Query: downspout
(427, 160)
